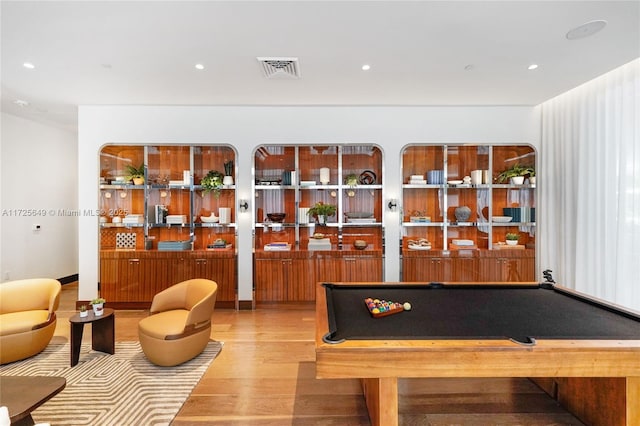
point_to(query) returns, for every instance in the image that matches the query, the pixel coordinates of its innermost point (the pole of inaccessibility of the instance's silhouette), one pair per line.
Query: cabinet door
(128, 280)
(362, 269)
(427, 269)
(507, 269)
(220, 270)
(300, 281)
(465, 269)
(270, 278)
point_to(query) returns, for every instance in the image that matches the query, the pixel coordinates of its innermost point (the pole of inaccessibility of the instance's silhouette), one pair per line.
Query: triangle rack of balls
(381, 308)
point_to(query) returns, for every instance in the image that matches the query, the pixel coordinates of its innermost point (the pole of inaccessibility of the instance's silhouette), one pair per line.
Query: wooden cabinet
(290, 180)
(456, 207)
(132, 278)
(284, 279)
(349, 265)
(158, 231)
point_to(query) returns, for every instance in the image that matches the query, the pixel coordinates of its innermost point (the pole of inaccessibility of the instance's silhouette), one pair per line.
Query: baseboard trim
(68, 279)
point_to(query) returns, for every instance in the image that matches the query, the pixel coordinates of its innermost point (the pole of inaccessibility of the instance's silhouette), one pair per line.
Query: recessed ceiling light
(532, 67)
(199, 66)
(366, 67)
(585, 30)
(468, 67)
(28, 65)
(21, 103)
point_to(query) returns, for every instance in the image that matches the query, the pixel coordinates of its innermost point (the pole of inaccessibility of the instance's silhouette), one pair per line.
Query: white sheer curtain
(589, 187)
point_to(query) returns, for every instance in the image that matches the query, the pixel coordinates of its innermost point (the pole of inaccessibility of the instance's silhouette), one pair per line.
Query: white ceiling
(144, 52)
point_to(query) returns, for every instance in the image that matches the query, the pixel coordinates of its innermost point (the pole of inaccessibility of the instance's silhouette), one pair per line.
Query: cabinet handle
(134, 260)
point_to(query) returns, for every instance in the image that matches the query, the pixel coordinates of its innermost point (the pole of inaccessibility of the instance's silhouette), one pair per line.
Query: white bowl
(454, 182)
(210, 219)
(501, 219)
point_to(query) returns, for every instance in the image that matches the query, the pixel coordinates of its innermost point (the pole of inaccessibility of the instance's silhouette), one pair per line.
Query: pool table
(530, 330)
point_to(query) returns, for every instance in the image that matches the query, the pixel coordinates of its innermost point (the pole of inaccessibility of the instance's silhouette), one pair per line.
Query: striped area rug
(121, 389)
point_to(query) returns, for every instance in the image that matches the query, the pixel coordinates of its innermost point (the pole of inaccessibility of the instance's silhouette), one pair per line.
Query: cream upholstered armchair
(27, 317)
(179, 326)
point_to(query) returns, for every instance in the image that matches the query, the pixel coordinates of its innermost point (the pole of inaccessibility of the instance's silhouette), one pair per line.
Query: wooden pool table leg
(633, 400)
(381, 396)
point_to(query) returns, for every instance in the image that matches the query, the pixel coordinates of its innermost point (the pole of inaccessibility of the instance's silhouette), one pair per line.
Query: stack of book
(417, 180)
(277, 246)
(133, 219)
(174, 245)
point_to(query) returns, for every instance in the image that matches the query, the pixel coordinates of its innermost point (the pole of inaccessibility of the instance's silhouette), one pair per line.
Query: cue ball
(407, 306)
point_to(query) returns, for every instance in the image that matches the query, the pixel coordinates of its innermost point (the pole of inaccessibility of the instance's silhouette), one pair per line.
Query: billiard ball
(407, 306)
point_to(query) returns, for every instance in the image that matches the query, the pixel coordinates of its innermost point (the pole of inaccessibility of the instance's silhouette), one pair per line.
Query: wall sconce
(393, 204)
(244, 205)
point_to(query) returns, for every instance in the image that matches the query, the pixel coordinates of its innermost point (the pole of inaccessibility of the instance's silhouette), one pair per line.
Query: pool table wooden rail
(381, 362)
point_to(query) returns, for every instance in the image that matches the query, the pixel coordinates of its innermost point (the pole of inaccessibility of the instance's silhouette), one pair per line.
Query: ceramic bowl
(501, 219)
(276, 217)
(209, 219)
(360, 244)
(358, 215)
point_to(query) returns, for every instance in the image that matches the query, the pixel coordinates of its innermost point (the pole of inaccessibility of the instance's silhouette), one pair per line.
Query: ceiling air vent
(279, 67)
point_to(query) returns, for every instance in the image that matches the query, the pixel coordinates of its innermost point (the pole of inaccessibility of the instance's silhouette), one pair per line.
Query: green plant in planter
(212, 182)
(515, 171)
(351, 180)
(512, 236)
(98, 300)
(83, 308)
(322, 209)
(228, 168)
(135, 173)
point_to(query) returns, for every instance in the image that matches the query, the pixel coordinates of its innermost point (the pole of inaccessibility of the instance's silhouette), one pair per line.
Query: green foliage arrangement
(516, 170)
(212, 182)
(134, 172)
(322, 209)
(512, 236)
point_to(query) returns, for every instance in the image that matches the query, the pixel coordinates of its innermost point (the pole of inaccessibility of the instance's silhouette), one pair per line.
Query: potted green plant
(351, 180)
(212, 182)
(98, 306)
(228, 173)
(516, 173)
(512, 238)
(135, 174)
(321, 211)
(83, 311)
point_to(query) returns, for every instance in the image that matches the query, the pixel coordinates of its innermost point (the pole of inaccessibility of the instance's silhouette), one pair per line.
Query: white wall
(247, 127)
(38, 177)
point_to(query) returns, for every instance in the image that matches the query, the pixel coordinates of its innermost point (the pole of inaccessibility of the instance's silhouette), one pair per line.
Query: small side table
(22, 394)
(102, 333)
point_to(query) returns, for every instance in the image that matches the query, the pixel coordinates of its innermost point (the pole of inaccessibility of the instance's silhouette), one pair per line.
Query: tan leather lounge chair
(179, 326)
(27, 317)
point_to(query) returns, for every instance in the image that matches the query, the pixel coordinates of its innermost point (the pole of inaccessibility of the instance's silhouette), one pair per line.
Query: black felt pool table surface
(514, 312)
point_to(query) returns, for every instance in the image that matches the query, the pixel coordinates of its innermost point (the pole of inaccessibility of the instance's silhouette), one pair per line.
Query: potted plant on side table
(321, 211)
(98, 306)
(83, 311)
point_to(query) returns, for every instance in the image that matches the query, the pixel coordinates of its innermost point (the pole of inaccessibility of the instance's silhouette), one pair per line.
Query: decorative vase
(83, 314)
(517, 180)
(322, 219)
(512, 242)
(227, 180)
(225, 215)
(462, 213)
(325, 175)
(98, 309)
(532, 180)
(138, 180)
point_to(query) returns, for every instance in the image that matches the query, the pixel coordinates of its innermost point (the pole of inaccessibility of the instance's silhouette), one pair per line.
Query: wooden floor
(265, 375)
